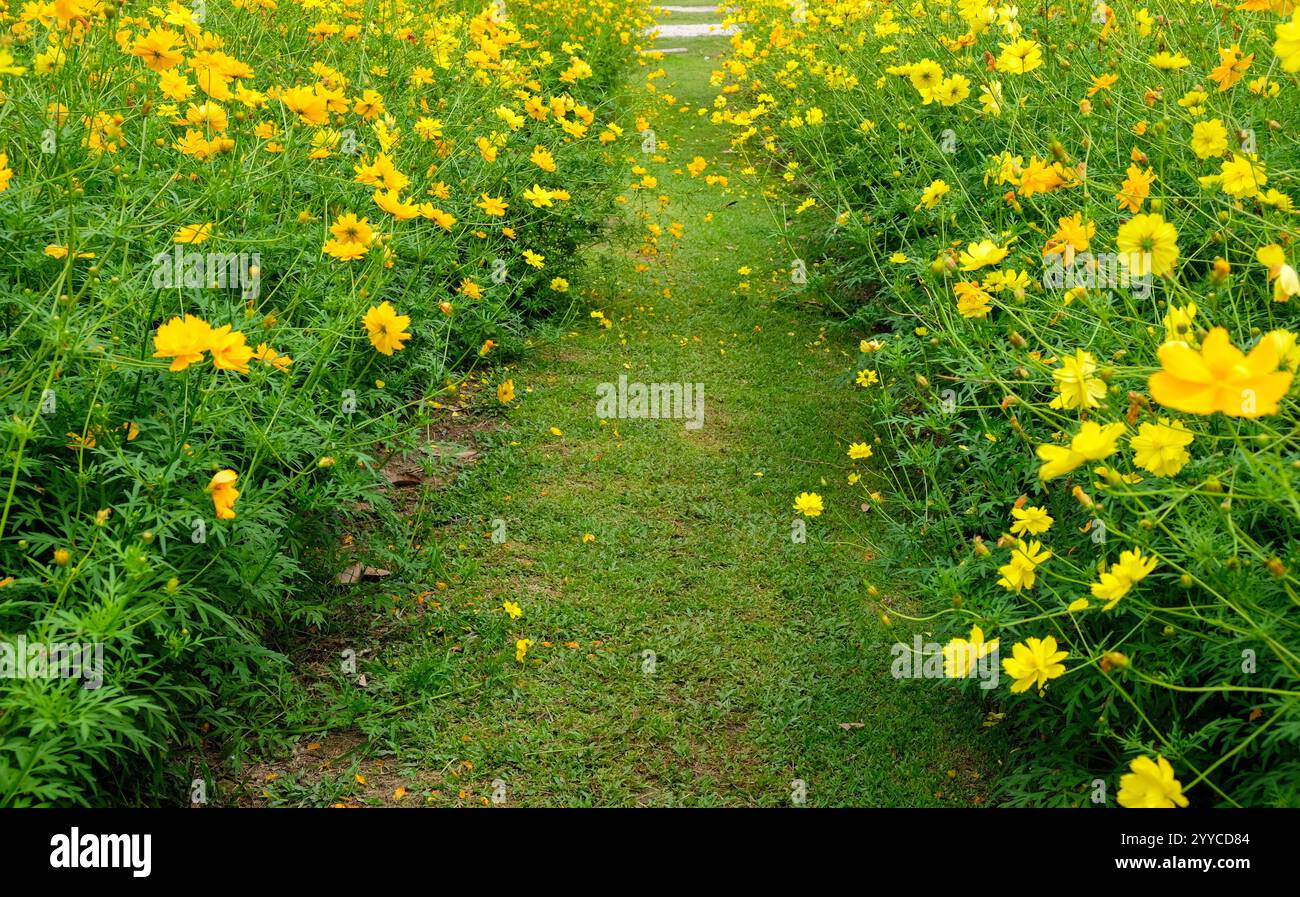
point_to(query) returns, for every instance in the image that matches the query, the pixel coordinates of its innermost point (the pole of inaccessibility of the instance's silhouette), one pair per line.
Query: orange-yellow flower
(224, 493)
(387, 328)
(183, 340)
(229, 350)
(1220, 377)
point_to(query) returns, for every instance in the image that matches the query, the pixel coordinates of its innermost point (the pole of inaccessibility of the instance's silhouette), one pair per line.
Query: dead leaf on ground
(357, 572)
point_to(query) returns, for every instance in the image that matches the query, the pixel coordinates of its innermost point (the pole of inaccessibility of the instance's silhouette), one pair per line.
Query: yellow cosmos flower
(193, 234)
(386, 328)
(1220, 377)
(932, 194)
(1287, 46)
(492, 205)
(982, 254)
(972, 300)
(808, 504)
(1093, 442)
(229, 350)
(1020, 57)
(1115, 583)
(1021, 571)
(1151, 783)
(1209, 138)
(183, 340)
(1075, 383)
(1034, 662)
(960, 656)
(1148, 245)
(1034, 521)
(543, 159)
(223, 491)
(1242, 176)
(1161, 448)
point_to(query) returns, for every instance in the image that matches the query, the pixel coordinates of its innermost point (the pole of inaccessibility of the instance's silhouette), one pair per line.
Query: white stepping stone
(692, 30)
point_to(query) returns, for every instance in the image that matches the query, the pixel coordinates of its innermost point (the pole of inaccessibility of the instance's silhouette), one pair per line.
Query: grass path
(770, 664)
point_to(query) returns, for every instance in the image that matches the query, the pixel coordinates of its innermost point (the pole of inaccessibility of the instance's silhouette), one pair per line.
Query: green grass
(763, 647)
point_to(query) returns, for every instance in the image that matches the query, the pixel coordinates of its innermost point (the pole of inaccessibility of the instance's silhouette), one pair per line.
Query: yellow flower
(1092, 443)
(193, 234)
(492, 205)
(1076, 384)
(925, 77)
(982, 254)
(1034, 521)
(1178, 321)
(1151, 784)
(387, 329)
(1135, 189)
(960, 655)
(1169, 61)
(933, 193)
(265, 354)
(543, 159)
(1074, 232)
(972, 300)
(224, 493)
(1021, 571)
(506, 392)
(1161, 448)
(1231, 68)
(539, 196)
(1115, 583)
(1220, 377)
(159, 49)
(513, 610)
(1148, 244)
(1209, 138)
(1242, 176)
(809, 504)
(991, 99)
(352, 237)
(1034, 662)
(183, 340)
(521, 648)
(1020, 57)
(1287, 46)
(229, 350)
(859, 451)
(952, 90)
